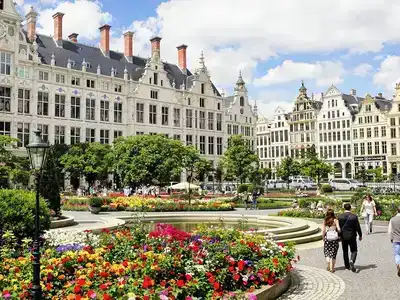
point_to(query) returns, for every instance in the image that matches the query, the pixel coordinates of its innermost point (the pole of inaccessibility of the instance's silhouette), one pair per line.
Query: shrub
(96, 202)
(326, 188)
(250, 188)
(359, 195)
(17, 213)
(243, 188)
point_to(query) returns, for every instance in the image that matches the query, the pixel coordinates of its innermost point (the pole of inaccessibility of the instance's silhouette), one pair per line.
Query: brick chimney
(380, 95)
(155, 47)
(128, 45)
(105, 39)
(31, 18)
(182, 58)
(58, 27)
(73, 37)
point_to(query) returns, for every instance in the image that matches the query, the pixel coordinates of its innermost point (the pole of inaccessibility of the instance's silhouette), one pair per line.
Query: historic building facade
(393, 141)
(77, 93)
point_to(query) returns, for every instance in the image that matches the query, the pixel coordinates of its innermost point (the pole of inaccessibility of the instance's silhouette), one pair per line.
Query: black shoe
(398, 270)
(352, 267)
(370, 230)
(347, 267)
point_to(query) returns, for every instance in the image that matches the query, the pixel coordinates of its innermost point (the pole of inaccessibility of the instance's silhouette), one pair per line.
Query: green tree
(362, 174)
(287, 168)
(239, 159)
(9, 163)
(202, 169)
(376, 174)
(88, 159)
(190, 160)
(219, 174)
(315, 167)
(147, 159)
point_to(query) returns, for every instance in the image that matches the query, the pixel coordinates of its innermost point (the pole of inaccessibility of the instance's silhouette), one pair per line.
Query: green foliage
(376, 174)
(315, 167)
(326, 188)
(91, 160)
(302, 213)
(202, 168)
(147, 159)
(242, 188)
(239, 159)
(359, 195)
(96, 202)
(250, 188)
(362, 174)
(17, 213)
(288, 167)
(20, 177)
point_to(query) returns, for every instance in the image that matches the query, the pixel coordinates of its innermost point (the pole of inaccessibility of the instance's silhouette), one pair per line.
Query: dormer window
(73, 63)
(88, 65)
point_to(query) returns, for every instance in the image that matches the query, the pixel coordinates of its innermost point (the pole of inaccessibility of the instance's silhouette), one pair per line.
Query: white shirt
(369, 207)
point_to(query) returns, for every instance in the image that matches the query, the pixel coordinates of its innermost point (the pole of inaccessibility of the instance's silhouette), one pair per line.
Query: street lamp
(37, 151)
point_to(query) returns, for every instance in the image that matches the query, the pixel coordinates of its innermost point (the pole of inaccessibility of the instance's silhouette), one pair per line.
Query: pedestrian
(394, 233)
(368, 211)
(254, 200)
(350, 227)
(330, 236)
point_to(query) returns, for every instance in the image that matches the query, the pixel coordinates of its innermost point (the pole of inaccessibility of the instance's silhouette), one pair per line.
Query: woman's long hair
(368, 197)
(329, 217)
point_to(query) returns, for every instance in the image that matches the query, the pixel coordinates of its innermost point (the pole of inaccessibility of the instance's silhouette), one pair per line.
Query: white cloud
(363, 70)
(81, 16)
(388, 74)
(268, 101)
(324, 73)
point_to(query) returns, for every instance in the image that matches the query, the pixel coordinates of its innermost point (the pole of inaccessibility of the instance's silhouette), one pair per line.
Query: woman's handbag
(332, 235)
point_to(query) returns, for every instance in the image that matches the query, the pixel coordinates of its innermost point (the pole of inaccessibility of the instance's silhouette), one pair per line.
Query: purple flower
(69, 247)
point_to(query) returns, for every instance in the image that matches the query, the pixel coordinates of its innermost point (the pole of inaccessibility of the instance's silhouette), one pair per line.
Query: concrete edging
(65, 222)
(274, 291)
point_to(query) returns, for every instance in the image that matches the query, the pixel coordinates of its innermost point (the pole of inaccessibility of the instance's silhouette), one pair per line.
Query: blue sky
(276, 44)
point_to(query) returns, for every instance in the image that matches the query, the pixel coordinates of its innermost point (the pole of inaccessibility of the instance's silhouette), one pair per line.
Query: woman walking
(368, 210)
(330, 235)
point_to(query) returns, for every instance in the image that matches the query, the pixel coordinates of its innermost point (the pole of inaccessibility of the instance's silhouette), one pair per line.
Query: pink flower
(252, 297)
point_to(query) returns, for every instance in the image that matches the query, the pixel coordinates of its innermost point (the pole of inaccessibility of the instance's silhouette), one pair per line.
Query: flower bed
(163, 264)
(137, 203)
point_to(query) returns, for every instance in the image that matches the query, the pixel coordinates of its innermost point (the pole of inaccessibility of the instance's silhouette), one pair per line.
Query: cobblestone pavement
(310, 283)
(376, 277)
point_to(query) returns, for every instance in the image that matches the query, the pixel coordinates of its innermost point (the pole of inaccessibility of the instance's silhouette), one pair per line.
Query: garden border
(66, 221)
(273, 292)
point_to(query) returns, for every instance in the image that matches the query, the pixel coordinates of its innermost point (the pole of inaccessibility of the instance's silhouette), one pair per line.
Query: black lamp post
(37, 151)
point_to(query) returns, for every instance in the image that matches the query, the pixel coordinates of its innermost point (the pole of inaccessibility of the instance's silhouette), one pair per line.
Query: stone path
(310, 283)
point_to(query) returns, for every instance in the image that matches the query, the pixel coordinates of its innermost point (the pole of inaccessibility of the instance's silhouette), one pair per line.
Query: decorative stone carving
(3, 30)
(75, 93)
(44, 88)
(60, 90)
(53, 60)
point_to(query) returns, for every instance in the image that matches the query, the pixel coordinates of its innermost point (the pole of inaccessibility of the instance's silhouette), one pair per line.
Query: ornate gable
(332, 91)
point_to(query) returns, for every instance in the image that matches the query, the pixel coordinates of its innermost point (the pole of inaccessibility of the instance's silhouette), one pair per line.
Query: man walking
(394, 233)
(350, 227)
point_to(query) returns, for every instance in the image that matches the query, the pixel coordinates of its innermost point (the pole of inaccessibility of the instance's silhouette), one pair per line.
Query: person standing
(394, 233)
(368, 211)
(350, 227)
(330, 236)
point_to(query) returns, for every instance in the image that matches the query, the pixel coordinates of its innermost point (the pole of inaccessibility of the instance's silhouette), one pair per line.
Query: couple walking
(345, 228)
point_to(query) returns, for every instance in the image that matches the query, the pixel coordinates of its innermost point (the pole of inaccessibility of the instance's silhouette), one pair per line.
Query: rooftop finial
(240, 80)
(201, 60)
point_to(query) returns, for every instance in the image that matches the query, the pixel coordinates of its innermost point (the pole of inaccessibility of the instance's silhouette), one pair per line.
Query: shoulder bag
(346, 235)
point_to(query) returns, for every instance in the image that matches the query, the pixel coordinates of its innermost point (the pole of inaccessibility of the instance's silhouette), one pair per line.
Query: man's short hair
(347, 206)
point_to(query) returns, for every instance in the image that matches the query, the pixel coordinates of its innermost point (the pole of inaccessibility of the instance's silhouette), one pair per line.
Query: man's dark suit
(352, 226)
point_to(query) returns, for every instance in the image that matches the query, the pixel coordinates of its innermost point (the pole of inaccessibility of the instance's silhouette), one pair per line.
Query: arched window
(241, 101)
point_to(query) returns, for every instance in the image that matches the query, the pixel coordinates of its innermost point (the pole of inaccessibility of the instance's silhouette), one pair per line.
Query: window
(219, 122)
(5, 128)
(219, 145)
(368, 108)
(105, 86)
(362, 148)
(392, 122)
(384, 148)
(236, 130)
(361, 133)
(202, 123)
(90, 109)
(24, 101)
(355, 135)
(339, 153)
(23, 130)
(5, 63)
(210, 121)
(164, 116)
(369, 133)
(43, 104)
(195, 118)
(90, 135)
(90, 83)
(177, 137)
(348, 151)
(117, 134)
(177, 117)
(229, 129)
(117, 112)
(154, 94)
(104, 136)
(75, 108)
(188, 101)
(393, 133)
(104, 111)
(355, 149)
(383, 131)
(219, 106)
(376, 131)
(152, 114)
(202, 88)
(139, 112)
(377, 119)
(393, 148)
(369, 148)
(118, 88)
(76, 81)
(376, 147)
(75, 135)
(60, 78)
(44, 76)
(202, 144)
(211, 145)
(189, 118)
(202, 102)
(44, 132)
(189, 139)
(24, 72)
(59, 106)
(59, 134)
(241, 101)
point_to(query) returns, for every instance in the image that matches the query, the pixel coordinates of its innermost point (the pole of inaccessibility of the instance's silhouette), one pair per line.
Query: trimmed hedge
(17, 213)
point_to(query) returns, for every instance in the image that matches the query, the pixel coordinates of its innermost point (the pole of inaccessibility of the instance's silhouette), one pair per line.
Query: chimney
(105, 39)
(380, 95)
(182, 58)
(31, 18)
(353, 92)
(128, 45)
(155, 47)
(58, 27)
(73, 37)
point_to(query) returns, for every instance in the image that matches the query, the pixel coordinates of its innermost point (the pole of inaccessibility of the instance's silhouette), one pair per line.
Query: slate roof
(382, 103)
(93, 55)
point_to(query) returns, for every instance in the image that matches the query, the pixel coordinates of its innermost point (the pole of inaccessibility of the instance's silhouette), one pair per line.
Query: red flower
(236, 277)
(148, 282)
(284, 253)
(103, 286)
(188, 277)
(275, 261)
(216, 285)
(107, 297)
(146, 297)
(180, 283)
(163, 283)
(77, 289)
(104, 274)
(91, 294)
(241, 265)
(81, 281)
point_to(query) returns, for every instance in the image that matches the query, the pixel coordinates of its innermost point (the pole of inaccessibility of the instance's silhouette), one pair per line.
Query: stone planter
(274, 291)
(64, 221)
(94, 210)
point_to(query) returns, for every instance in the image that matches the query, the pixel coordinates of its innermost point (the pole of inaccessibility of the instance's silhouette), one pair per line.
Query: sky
(276, 44)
